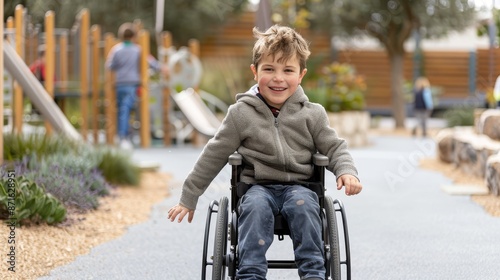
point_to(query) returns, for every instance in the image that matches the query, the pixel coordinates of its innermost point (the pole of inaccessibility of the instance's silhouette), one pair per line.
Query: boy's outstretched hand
(181, 211)
(351, 184)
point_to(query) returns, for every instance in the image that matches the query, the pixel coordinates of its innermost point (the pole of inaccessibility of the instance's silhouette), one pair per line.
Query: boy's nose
(278, 77)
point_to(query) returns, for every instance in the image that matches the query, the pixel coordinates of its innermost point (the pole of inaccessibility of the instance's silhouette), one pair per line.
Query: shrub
(345, 89)
(28, 201)
(117, 168)
(67, 178)
(459, 117)
(74, 173)
(341, 87)
(16, 146)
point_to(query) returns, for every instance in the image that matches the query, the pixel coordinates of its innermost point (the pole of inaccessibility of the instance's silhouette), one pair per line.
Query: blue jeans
(125, 101)
(300, 207)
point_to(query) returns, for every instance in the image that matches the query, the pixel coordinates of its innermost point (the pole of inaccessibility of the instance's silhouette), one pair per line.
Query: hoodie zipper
(280, 146)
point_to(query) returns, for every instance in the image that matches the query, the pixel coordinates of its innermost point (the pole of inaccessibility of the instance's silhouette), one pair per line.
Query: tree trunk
(398, 100)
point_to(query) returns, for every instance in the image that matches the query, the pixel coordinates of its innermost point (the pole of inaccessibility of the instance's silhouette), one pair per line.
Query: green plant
(22, 199)
(117, 168)
(16, 146)
(343, 89)
(459, 116)
(115, 165)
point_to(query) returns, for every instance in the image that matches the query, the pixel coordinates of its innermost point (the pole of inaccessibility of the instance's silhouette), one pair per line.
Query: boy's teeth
(273, 88)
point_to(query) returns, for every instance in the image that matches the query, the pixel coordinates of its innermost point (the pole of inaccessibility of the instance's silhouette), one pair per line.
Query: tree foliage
(185, 19)
(392, 23)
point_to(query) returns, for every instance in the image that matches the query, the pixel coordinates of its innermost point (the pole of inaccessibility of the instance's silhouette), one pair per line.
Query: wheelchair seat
(281, 227)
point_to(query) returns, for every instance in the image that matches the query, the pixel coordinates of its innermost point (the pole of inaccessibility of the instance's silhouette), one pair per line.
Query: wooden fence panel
(447, 70)
(484, 79)
(236, 39)
(376, 69)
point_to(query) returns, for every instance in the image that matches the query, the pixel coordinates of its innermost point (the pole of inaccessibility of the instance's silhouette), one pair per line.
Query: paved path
(402, 226)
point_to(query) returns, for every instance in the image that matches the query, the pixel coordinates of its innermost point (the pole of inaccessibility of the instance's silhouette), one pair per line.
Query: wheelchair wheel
(220, 245)
(347, 249)
(332, 241)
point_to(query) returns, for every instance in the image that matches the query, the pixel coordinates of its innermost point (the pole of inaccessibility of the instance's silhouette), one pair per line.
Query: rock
(353, 126)
(493, 174)
(445, 143)
(489, 124)
(465, 148)
(473, 150)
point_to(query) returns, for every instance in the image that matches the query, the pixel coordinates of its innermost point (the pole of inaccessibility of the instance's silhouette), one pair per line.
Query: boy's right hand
(181, 211)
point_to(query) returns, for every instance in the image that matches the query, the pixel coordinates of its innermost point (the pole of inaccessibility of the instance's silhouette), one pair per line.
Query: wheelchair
(224, 258)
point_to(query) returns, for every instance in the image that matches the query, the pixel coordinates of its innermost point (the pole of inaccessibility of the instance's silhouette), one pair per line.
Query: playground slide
(37, 93)
(197, 112)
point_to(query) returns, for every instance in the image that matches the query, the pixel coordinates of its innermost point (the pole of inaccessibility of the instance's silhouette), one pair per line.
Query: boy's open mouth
(277, 88)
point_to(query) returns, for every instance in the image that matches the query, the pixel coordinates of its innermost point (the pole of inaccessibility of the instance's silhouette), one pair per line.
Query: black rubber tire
(345, 231)
(332, 239)
(220, 246)
(206, 238)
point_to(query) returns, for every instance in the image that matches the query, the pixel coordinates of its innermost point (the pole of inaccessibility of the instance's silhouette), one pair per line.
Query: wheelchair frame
(227, 257)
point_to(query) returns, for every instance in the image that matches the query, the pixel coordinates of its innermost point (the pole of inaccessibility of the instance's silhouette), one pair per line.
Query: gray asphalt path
(402, 226)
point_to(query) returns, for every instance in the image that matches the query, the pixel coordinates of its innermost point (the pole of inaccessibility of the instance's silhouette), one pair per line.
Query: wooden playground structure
(74, 63)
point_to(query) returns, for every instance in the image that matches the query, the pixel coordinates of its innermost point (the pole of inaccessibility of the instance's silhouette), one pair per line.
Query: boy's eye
(289, 70)
(267, 69)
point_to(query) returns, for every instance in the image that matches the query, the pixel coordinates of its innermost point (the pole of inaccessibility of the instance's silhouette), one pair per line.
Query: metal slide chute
(196, 112)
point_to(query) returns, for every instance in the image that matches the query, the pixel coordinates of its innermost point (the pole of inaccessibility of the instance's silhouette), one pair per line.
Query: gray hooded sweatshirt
(273, 149)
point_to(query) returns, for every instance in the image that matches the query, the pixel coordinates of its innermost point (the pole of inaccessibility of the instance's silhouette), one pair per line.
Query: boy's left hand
(351, 183)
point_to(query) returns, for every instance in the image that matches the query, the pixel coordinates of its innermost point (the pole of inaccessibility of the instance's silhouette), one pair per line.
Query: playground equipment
(195, 105)
(75, 57)
(195, 110)
(85, 52)
(37, 93)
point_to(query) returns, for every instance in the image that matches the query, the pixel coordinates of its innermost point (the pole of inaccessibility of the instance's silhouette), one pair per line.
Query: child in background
(124, 60)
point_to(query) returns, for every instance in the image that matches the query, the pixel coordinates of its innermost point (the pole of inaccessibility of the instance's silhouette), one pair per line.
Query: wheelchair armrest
(320, 160)
(235, 159)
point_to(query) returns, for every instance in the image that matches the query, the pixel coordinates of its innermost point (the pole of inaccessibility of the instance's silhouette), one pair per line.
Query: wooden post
(166, 40)
(17, 101)
(194, 48)
(84, 68)
(96, 37)
(49, 59)
(10, 25)
(144, 97)
(109, 93)
(1, 81)
(63, 66)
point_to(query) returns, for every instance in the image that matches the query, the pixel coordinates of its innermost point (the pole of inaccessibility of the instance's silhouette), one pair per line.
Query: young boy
(276, 130)
(124, 60)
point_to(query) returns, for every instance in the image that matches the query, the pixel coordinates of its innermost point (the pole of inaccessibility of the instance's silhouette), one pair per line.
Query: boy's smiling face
(277, 81)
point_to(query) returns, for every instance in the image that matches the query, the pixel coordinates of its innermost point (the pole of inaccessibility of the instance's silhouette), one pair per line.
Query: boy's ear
(302, 74)
(254, 71)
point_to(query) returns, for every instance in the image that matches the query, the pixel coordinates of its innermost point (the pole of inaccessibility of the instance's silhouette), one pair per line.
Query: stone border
(472, 150)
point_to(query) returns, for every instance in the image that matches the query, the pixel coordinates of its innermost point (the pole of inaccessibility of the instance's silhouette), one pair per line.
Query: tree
(392, 22)
(185, 19)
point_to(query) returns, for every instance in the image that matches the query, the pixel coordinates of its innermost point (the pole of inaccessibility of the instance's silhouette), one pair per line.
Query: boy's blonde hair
(280, 39)
(422, 82)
